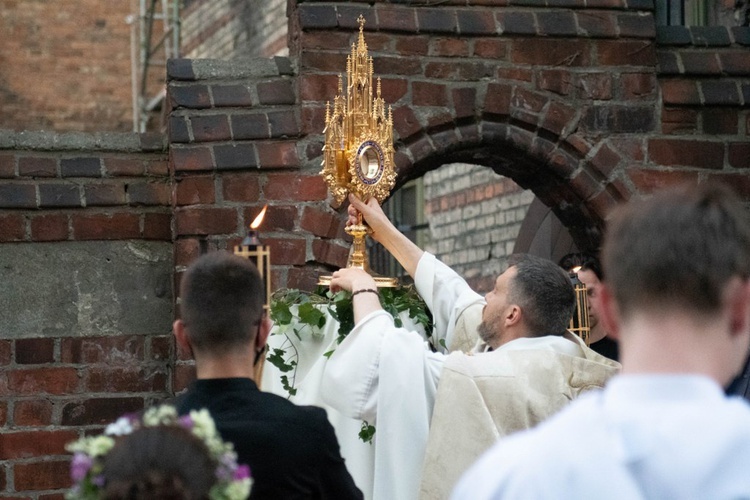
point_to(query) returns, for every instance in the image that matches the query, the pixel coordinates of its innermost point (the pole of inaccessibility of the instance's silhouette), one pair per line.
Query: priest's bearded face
(493, 325)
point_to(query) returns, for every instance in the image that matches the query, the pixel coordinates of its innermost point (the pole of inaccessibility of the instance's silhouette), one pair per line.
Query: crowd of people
(530, 411)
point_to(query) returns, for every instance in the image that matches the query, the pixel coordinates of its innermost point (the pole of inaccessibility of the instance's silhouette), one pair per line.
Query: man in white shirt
(677, 296)
(526, 368)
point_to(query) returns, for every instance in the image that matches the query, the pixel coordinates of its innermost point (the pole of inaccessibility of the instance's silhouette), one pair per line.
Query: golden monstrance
(358, 151)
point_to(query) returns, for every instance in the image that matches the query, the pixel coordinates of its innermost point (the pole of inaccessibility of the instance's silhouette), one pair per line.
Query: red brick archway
(586, 106)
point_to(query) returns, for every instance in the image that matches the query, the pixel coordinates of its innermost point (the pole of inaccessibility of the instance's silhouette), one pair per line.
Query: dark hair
(544, 292)
(164, 462)
(221, 301)
(678, 248)
(585, 260)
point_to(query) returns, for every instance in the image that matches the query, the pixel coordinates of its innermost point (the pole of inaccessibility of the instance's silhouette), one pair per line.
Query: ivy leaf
(280, 312)
(311, 315)
(276, 358)
(366, 432)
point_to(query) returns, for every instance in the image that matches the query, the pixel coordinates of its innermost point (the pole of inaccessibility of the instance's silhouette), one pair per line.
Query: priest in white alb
(434, 413)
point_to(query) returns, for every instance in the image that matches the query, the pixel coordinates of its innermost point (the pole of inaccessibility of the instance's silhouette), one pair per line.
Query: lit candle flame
(256, 222)
(574, 270)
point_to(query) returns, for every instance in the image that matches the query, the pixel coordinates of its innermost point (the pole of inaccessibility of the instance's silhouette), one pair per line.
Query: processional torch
(358, 150)
(580, 323)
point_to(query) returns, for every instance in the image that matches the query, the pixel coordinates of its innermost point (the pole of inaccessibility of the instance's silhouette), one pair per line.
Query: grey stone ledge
(205, 69)
(129, 142)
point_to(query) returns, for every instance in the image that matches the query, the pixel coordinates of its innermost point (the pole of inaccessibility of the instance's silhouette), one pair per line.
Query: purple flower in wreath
(242, 472)
(80, 466)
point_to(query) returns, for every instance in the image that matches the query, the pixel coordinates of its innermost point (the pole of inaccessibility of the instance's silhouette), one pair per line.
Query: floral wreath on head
(233, 481)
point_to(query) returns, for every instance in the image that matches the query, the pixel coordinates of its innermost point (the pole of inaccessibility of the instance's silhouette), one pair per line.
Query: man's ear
(182, 339)
(609, 313)
(513, 315)
(738, 301)
(263, 332)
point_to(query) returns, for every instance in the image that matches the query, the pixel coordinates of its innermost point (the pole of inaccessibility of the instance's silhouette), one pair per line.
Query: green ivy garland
(310, 320)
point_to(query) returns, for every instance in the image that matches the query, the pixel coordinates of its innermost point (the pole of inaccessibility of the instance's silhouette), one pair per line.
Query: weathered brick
(48, 380)
(99, 411)
(205, 221)
(528, 100)
(178, 129)
(436, 20)
(35, 351)
(449, 47)
(191, 158)
(189, 96)
(277, 217)
(673, 35)
(320, 61)
(250, 126)
(290, 251)
(491, 48)
(710, 36)
(679, 120)
(161, 347)
(283, 123)
(632, 119)
(241, 187)
(304, 278)
(385, 65)
(597, 24)
(7, 166)
(679, 92)
(317, 87)
(157, 226)
(667, 63)
(316, 16)
(235, 156)
(558, 116)
(515, 73)
(585, 185)
(33, 166)
(558, 81)
(81, 167)
(209, 128)
(320, 223)
(497, 99)
(125, 379)
(733, 63)
(313, 119)
(184, 374)
(717, 121)
(150, 193)
(550, 52)
(325, 40)
(396, 18)
(688, 153)
(12, 228)
(605, 161)
(28, 444)
(124, 166)
(104, 194)
(15, 195)
(277, 155)
(158, 168)
(421, 148)
(700, 63)
(637, 85)
(556, 23)
(59, 195)
(636, 25)
(49, 227)
(276, 92)
(739, 154)
(650, 180)
(327, 252)
(295, 187)
(516, 22)
(625, 53)
(117, 226)
(124, 349)
(428, 94)
(195, 190)
(32, 413)
(464, 101)
(186, 250)
(231, 95)
(46, 475)
(720, 93)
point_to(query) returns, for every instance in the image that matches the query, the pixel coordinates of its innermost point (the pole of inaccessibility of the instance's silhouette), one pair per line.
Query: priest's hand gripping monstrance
(358, 150)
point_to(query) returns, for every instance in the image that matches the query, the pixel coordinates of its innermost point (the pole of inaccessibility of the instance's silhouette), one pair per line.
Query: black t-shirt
(607, 348)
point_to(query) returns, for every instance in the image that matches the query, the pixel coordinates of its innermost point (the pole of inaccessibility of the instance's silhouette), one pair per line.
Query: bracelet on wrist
(365, 290)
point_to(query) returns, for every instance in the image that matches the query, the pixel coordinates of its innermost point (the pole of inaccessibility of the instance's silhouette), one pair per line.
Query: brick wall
(474, 217)
(231, 29)
(65, 68)
(86, 266)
